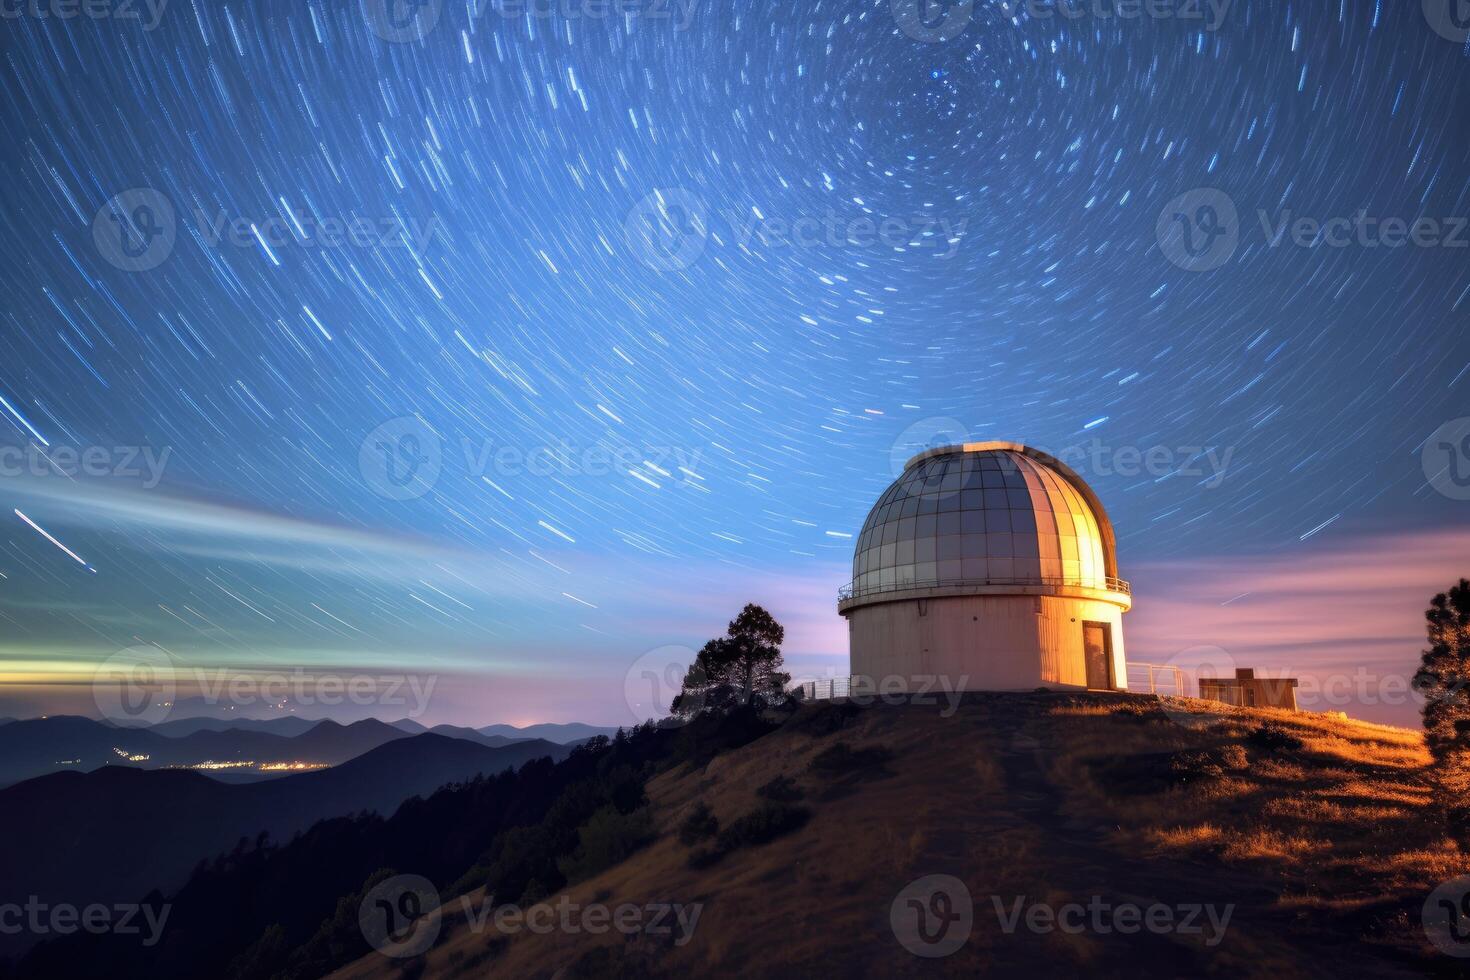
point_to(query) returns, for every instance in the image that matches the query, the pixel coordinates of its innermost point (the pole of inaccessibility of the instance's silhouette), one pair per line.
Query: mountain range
(113, 834)
(40, 746)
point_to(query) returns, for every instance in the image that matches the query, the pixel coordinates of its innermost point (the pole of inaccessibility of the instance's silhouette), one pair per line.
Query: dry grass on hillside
(1315, 829)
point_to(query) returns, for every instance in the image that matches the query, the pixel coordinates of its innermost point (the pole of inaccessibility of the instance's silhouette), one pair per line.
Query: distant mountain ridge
(565, 734)
(58, 743)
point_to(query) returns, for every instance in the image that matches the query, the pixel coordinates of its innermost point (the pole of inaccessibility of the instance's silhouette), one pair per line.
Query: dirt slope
(1311, 833)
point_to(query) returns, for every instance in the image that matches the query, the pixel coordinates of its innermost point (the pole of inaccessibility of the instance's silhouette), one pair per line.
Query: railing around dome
(1109, 583)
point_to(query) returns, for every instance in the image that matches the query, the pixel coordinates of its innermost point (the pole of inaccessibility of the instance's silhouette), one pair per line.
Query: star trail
(503, 337)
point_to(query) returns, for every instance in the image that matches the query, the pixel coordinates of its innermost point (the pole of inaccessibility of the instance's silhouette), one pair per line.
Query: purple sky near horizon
(1345, 617)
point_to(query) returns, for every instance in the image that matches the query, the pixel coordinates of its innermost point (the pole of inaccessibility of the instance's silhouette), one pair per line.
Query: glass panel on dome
(1027, 569)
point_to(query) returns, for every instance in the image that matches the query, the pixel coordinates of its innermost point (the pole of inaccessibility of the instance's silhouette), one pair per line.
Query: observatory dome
(989, 515)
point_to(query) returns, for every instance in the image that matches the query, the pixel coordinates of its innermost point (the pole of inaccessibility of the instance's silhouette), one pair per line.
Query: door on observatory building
(1097, 647)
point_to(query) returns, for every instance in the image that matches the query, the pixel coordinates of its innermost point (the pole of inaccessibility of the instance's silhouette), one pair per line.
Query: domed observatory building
(987, 566)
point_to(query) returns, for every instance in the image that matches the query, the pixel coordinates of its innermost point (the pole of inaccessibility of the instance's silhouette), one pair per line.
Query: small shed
(1247, 690)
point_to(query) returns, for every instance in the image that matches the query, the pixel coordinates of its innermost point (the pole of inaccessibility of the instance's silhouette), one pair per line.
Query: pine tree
(1444, 680)
(743, 667)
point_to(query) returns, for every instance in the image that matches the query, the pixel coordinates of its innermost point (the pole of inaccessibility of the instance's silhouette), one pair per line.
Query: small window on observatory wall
(1097, 648)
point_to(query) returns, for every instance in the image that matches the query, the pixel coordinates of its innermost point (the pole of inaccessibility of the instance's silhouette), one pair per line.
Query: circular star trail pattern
(509, 169)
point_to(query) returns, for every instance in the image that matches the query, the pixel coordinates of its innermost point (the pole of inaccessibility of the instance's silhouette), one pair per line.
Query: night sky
(458, 339)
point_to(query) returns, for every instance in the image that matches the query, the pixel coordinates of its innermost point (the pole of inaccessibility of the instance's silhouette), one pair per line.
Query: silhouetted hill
(114, 834)
(563, 733)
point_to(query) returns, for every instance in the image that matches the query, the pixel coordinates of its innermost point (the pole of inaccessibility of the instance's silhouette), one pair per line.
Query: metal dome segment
(988, 516)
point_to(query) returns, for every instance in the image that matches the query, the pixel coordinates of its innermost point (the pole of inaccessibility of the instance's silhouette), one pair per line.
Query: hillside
(1315, 830)
(114, 834)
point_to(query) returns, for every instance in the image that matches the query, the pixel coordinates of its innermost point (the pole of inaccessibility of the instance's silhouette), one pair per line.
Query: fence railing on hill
(1158, 679)
(824, 690)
